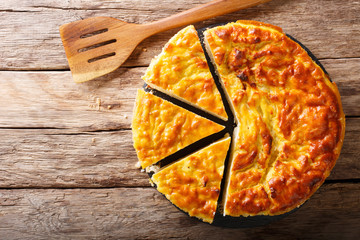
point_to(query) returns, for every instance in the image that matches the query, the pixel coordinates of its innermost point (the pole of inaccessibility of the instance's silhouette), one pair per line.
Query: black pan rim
(241, 221)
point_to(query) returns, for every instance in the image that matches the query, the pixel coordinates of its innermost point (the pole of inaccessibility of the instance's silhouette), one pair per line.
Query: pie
(288, 115)
(193, 183)
(182, 72)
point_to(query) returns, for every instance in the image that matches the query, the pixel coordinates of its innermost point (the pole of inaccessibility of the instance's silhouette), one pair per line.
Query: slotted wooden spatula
(99, 45)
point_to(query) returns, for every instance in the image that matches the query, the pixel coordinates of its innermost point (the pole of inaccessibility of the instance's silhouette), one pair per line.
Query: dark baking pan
(220, 220)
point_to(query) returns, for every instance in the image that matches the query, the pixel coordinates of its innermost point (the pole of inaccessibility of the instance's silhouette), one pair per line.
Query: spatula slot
(94, 33)
(96, 45)
(101, 57)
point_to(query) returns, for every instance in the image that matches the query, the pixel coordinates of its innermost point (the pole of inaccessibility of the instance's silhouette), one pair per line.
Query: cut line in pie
(161, 128)
(193, 183)
(181, 71)
(289, 120)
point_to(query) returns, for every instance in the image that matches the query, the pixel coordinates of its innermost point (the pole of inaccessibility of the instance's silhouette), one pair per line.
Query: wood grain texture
(55, 158)
(52, 99)
(328, 27)
(122, 37)
(66, 157)
(41, 158)
(145, 214)
(347, 77)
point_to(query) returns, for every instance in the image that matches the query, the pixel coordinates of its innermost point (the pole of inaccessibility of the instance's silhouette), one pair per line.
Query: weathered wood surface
(346, 75)
(66, 157)
(30, 38)
(142, 213)
(52, 158)
(52, 99)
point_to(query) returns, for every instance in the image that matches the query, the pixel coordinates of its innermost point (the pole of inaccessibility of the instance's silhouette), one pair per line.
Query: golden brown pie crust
(181, 70)
(161, 128)
(193, 183)
(289, 117)
(290, 122)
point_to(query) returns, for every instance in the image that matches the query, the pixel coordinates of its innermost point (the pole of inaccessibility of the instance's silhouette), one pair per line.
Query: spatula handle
(202, 12)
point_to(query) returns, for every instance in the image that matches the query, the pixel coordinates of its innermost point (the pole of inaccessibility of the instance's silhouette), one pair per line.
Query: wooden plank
(52, 99)
(54, 158)
(30, 40)
(43, 158)
(348, 165)
(347, 77)
(332, 213)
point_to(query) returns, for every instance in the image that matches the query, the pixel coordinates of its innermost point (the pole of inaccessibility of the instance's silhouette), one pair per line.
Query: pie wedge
(161, 128)
(290, 122)
(193, 183)
(181, 71)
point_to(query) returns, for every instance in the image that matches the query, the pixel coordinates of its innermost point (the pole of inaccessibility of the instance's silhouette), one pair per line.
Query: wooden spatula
(99, 45)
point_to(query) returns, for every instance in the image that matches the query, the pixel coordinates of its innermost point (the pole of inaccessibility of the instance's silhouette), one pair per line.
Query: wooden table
(67, 165)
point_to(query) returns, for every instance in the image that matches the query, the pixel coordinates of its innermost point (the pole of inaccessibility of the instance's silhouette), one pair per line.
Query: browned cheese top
(161, 128)
(181, 70)
(193, 183)
(290, 122)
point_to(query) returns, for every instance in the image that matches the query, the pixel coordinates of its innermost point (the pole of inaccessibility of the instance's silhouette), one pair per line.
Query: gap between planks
(135, 66)
(103, 159)
(52, 99)
(113, 213)
(327, 27)
(327, 182)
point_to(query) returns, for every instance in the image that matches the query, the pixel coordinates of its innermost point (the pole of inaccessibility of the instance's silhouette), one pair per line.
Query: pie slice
(181, 71)
(161, 128)
(193, 183)
(290, 122)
